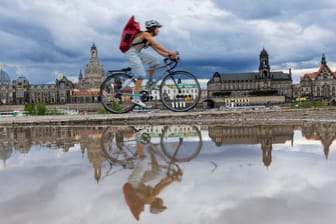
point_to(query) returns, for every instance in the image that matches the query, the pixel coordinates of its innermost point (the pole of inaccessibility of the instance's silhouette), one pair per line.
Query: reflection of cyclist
(136, 58)
(138, 194)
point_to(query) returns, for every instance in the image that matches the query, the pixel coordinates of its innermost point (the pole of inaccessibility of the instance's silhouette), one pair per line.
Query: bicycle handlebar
(172, 62)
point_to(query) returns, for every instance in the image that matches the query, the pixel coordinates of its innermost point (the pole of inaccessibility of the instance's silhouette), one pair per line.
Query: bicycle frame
(166, 71)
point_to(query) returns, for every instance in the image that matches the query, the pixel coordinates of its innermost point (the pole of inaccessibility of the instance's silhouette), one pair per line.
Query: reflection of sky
(227, 184)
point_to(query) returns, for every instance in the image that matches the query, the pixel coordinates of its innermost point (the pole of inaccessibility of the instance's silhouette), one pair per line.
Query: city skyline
(43, 40)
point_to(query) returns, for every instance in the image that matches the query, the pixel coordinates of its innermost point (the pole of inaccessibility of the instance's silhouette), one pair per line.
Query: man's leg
(136, 98)
(152, 72)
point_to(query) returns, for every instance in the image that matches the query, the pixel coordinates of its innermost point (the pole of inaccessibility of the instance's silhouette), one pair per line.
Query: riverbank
(260, 116)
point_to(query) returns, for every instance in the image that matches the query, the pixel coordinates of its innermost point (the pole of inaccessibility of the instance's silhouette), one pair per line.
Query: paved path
(265, 116)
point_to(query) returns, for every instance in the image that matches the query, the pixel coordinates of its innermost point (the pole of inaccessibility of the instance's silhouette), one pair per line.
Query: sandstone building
(320, 84)
(247, 88)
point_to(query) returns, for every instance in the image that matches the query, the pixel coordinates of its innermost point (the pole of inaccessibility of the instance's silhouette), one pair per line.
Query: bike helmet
(152, 23)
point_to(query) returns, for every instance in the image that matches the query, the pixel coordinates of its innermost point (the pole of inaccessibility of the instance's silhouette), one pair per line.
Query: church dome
(22, 81)
(4, 77)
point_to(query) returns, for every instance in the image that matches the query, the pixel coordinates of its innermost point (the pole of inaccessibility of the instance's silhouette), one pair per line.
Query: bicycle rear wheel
(117, 145)
(116, 93)
(180, 91)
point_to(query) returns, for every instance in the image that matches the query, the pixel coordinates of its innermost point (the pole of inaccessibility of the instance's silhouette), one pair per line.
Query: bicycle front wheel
(116, 93)
(180, 91)
(181, 143)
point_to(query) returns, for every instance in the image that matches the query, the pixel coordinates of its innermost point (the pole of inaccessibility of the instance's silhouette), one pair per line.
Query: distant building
(6, 89)
(243, 88)
(320, 84)
(20, 91)
(88, 87)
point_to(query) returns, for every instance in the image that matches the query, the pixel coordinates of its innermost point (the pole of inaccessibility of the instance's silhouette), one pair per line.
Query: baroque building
(63, 91)
(244, 86)
(88, 87)
(320, 84)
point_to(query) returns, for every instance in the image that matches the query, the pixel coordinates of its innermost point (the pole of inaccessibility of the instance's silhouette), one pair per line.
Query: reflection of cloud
(307, 207)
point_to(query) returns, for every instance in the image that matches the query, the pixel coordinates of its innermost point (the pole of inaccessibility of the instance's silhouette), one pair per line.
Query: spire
(263, 53)
(80, 75)
(93, 47)
(94, 54)
(323, 59)
(264, 67)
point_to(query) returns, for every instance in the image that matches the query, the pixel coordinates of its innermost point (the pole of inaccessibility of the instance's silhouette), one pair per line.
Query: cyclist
(137, 58)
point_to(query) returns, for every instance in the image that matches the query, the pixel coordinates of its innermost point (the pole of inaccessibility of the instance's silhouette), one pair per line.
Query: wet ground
(168, 173)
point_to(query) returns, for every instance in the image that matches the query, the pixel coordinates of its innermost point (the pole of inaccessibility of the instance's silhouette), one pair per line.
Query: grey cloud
(46, 38)
(271, 9)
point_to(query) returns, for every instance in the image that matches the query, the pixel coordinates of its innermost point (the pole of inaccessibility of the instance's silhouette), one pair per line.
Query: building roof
(4, 77)
(252, 76)
(22, 79)
(323, 67)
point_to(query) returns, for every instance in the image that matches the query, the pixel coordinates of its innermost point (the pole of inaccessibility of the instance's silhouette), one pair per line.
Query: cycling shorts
(137, 60)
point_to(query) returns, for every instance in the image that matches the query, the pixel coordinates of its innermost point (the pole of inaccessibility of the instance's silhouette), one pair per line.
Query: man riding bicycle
(137, 58)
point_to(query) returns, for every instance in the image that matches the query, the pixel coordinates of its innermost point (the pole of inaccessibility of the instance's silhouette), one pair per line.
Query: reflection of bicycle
(181, 143)
(178, 145)
(178, 91)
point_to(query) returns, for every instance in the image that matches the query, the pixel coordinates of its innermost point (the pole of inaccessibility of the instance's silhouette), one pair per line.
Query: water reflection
(146, 162)
(266, 136)
(22, 139)
(323, 132)
(150, 152)
(153, 153)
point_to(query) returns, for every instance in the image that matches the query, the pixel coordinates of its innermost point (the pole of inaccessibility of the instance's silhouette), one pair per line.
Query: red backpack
(131, 29)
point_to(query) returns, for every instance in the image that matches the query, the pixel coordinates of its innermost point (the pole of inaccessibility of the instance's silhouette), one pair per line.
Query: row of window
(319, 90)
(241, 86)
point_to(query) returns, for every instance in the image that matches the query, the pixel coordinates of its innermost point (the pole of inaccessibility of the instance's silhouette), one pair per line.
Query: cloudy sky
(43, 39)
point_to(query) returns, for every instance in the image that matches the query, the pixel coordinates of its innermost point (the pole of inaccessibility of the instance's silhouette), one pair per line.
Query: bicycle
(178, 144)
(179, 91)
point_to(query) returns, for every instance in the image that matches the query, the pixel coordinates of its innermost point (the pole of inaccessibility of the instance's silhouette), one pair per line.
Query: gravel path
(266, 116)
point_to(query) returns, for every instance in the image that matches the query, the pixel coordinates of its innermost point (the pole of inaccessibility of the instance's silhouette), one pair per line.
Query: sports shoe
(138, 102)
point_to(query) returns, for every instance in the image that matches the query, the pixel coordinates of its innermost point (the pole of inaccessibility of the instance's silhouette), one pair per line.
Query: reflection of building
(246, 88)
(264, 135)
(20, 91)
(320, 84)
(173, 130)
(323, 132)
(22, 139)
(90, 140)
(6, 146)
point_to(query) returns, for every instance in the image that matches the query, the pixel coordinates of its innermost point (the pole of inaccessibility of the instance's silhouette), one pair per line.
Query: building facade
(88, 87)
(239, 87)
(320, 84)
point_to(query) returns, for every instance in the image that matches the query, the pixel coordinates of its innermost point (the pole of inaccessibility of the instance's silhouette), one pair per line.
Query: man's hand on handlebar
(174, 55)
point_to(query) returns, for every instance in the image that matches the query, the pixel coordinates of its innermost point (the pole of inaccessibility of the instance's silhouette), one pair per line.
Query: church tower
(264, 67)
(94, 72)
